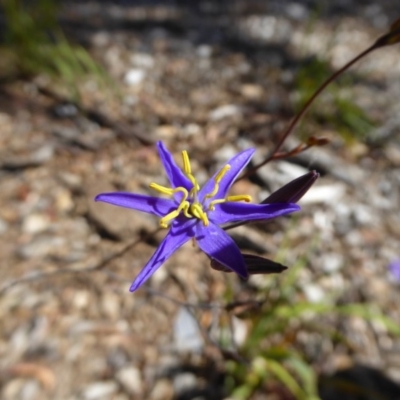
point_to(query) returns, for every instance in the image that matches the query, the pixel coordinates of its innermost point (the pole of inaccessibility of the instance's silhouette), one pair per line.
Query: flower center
(189, 203)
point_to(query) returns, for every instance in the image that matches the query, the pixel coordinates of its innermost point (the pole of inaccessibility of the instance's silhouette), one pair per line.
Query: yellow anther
(188, 171)
(185, 208)
(192, 208)
(186, 163)
(197, 211)
(183, 191)
(217, 180)
(162, 189)
(240, 197)
(169, 217)
(183, 205)
(169, 191)
(214, 202)
(222, 173)
(196, 186)
(236, 198)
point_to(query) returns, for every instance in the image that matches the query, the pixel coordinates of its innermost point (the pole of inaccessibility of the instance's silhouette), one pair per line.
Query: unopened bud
(317, 141)
(293, 191)
(392, 37)
(254, 264)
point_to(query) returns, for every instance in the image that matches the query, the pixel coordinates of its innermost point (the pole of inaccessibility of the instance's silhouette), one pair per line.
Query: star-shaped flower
(194, 212)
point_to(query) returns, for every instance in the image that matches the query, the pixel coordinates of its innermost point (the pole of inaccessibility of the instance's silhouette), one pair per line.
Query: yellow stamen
(169, 217)
(193, 208)
(185, 208)
(169, 191)
(239, 197)
(186, 163)
(222, 173)
(236, 198)
(188, 171)
(197, 211)
(211, 206)
(184, 204)
(184, 191)
(217, 180)
(162, 189)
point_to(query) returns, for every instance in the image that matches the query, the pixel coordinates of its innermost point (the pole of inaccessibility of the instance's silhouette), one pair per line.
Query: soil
(212, 79)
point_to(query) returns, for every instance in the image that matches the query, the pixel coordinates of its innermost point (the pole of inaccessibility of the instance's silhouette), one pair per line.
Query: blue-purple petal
(237, 163)
(220, 246)
(139, 202)
(178, 235)
(175, 175)
(234, 211)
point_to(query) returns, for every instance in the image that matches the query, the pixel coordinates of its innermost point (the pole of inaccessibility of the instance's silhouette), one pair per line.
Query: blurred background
(86, 89)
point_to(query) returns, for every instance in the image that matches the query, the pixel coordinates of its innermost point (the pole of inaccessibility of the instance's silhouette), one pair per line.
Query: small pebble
(229, 110)
(135, 76)
(100, 390)
(183, 382)
(35, 223)
(130, 379)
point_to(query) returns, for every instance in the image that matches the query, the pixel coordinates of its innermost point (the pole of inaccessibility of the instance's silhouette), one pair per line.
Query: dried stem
(305, 108)
(37, 276)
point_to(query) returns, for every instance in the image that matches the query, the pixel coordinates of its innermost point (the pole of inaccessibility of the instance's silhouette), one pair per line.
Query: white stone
(313, 293)
(184, 381)
(225, 153)
(204, 51)
(290, 170)
(3, 226)
(228, 110)
(332, 262)
(187, 335)
(41, 247)
(101, 39)
(142, 60)
(191, 129)
(240, 331)
(364, 215)
(161, 389)
(43, 154)
(99, 390)
(297, 11)
(135, 76)
(130, 379)
(324, 194)
(35, 223)
(64, 200)
(12, 389)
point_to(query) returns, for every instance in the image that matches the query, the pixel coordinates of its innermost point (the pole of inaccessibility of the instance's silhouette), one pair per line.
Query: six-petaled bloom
(194, 212)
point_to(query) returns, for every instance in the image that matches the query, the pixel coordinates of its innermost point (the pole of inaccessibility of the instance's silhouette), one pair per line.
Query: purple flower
(394, 268)
(194, 212)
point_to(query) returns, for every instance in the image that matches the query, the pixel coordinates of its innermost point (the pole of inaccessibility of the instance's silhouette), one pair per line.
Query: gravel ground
(70, 329)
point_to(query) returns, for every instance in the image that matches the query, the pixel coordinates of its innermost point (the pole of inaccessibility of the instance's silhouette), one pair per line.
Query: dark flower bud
(317, 141)
(392, 37)
(254, 264)
(293, 191)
